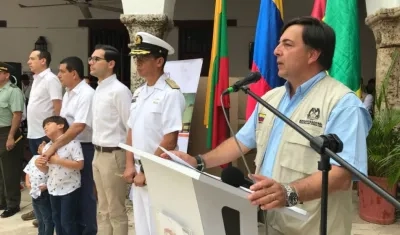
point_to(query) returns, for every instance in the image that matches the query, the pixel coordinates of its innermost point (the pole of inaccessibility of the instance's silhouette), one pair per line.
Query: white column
(384, 20)
(152, 16)
(374, 5)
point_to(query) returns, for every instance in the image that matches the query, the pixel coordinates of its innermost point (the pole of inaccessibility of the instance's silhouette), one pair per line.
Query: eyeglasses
(95, 59)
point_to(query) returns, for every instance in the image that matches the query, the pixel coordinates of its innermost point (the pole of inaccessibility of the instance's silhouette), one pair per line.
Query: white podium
(193, 199)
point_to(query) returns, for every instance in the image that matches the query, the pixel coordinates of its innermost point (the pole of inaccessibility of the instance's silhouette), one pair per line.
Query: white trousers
(143, 216)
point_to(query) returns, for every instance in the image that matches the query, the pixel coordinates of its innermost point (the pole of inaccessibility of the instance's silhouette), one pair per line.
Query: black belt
(137, 161)
(106, 149)
(5, 128)
(86, 143)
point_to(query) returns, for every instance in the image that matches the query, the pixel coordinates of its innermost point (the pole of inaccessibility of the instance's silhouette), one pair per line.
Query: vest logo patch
(261, 117)
(313, 114)
(312, 117)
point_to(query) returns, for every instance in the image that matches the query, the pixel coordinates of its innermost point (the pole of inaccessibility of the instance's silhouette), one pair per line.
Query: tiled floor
(15, 226)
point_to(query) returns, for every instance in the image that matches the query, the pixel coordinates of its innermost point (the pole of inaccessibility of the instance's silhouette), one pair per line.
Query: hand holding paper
(176, 158)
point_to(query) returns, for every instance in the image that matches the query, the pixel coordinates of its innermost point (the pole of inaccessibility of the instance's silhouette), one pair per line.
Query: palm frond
(383, 140)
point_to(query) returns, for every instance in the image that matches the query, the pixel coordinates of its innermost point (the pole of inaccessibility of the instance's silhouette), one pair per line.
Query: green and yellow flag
(342, 16)
(218, 80)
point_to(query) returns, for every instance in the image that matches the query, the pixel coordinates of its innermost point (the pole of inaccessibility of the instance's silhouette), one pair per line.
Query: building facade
(68, 33)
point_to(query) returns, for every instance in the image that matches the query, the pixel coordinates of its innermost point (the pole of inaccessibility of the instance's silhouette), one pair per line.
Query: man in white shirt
(111, 103)
(45, 97)
(155, 120)
(44, 101)
(77, 109)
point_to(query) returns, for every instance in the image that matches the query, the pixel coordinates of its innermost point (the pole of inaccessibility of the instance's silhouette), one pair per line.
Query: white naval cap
(146, 43)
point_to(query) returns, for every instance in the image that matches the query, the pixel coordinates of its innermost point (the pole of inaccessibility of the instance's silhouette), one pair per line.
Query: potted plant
(383, 143)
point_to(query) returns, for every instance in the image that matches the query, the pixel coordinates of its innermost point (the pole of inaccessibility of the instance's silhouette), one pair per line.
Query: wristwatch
(200, 163)
(292, 197)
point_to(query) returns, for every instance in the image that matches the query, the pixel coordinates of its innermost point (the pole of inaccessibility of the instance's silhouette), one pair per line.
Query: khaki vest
(295, 159)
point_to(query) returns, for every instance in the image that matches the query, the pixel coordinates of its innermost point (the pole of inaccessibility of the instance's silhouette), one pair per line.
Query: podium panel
(195, 200)
(220, 200)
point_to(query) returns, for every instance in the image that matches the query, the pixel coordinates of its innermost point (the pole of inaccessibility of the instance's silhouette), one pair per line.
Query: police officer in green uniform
(11, 150)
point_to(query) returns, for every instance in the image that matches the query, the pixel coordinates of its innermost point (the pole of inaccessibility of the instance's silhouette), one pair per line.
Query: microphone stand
(327, 146)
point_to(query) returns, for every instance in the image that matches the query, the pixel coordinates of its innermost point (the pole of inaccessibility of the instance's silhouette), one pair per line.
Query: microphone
(251, 78)
(235, 177)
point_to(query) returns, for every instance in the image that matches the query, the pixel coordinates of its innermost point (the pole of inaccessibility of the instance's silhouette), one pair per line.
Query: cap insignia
(138, 39)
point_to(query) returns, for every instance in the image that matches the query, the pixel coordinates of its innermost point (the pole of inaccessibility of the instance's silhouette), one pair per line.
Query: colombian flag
(218, 80)
(269, 24)
(342, 16)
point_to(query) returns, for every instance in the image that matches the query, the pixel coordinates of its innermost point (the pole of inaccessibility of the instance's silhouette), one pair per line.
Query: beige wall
(60, 26)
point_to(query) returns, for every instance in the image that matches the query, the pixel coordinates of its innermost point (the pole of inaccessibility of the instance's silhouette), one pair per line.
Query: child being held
(64, 181)
(36, 180)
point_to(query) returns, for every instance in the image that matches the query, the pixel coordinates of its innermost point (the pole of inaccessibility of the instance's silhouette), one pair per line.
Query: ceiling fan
(83, 5)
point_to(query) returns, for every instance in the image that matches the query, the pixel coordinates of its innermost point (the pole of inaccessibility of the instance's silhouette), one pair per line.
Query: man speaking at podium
(286, 166)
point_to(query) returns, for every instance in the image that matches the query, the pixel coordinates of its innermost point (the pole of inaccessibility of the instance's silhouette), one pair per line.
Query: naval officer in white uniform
(155, 120)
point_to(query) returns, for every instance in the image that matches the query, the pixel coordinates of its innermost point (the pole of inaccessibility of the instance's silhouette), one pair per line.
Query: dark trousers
(33, 147)
(42, 208)
(87, 212)
(34, 144)
(64, 209)
(10, 170)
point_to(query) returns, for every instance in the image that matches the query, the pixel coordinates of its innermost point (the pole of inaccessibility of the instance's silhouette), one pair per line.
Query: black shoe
(10, 212)
(2, 207)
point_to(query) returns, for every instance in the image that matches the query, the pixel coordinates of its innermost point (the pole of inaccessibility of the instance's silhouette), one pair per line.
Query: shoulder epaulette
(172, 83)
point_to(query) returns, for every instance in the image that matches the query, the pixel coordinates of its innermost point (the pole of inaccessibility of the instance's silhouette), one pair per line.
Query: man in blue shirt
(305, 51)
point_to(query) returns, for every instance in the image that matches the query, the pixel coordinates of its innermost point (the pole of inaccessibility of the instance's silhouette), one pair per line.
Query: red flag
(218, 80)
(318, 10)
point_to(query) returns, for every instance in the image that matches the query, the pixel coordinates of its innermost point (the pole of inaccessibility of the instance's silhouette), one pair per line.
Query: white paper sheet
(176, 158)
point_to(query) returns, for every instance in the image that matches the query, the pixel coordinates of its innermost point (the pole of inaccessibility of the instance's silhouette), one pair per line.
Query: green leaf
(383, 140)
